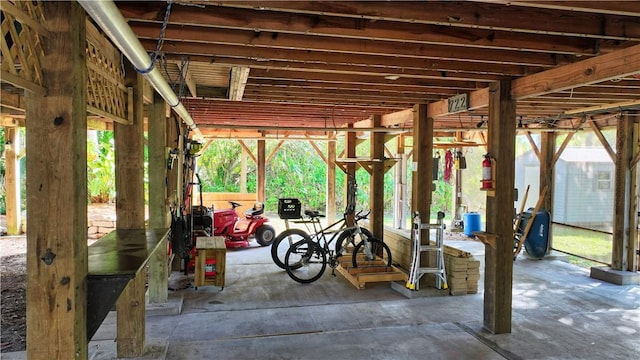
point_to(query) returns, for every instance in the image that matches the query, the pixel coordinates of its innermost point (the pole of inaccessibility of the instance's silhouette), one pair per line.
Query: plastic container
(289, 208)
(471, 222)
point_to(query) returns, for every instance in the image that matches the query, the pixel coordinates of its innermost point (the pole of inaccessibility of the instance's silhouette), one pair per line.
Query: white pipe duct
(110, 20)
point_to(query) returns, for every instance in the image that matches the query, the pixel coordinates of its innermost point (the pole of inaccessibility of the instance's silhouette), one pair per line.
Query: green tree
(100, 166)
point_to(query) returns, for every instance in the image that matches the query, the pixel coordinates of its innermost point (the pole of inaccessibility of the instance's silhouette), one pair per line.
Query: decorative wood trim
(21, 48)
(22, 83)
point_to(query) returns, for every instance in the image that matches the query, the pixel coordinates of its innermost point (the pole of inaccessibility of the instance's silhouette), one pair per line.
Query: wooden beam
(274, 150)
(238, 82)
(308, 24)
(400, 182)
(623, 192)
(487, 16)
(563, 146)
(130, 214)
(261, 165)
(130, 319)
(248, 151)
(12, 181)
(331, 182)
(422, 178)
(159, 217)
(634, 221)
(57, 199)
(319, 152)
(603, 141)
(534, 147)
(498, 277)
(477, 99)
(183, 39)
(243, 171)
(376, 185)
(22, 83)
(615, 65)
(547, 171)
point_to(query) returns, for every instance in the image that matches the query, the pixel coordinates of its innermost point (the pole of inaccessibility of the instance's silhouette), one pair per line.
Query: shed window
(604, 180)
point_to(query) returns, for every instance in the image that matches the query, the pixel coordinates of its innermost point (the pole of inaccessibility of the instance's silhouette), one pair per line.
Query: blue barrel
(471, 222)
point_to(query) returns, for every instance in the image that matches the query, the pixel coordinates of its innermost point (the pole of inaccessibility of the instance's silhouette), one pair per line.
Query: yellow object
(410, 286)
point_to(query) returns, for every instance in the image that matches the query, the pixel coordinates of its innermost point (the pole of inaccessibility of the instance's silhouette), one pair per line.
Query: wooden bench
(113, 261)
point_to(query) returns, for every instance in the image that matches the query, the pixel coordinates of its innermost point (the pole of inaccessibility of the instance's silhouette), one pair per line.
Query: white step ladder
(416, 270)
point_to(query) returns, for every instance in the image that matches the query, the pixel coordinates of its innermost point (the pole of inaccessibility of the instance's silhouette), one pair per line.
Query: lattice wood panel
(21, 43)
(106, 94)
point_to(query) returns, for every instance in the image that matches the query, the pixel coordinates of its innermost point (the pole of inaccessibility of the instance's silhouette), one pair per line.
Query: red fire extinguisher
(487, 182)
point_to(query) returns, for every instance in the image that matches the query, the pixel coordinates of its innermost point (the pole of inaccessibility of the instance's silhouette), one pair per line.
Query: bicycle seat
(313, 214)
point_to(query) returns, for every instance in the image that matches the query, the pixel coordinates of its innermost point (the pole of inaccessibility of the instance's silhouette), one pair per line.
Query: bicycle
(345, 234)
(306, 260)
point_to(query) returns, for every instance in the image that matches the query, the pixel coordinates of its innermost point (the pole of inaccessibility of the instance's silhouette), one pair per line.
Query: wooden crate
(210, 248)
(377, 272)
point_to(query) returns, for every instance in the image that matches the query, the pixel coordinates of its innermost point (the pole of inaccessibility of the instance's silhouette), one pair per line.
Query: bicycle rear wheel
(371, 252)
(305, 261)
(348, 239)
(283, 241)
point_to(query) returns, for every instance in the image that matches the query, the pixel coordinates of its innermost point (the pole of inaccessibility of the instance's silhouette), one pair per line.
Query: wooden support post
(350, 143)
(634, 233)
(158, 210)
(376, 186)
(130, 214)
(547, 170)
(131, 318)
(457, 186)
(400, 177)
(422, 178)
(262, 170)
(243, 172)
(129, 161)
(56, 141)
(331, 181)
(12, 180)
(498, 278)
(623, 217)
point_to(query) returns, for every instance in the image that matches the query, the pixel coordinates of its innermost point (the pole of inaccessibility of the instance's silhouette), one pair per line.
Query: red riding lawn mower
(237, 231)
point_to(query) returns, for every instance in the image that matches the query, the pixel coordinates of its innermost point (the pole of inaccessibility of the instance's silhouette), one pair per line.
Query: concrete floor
(558, 313)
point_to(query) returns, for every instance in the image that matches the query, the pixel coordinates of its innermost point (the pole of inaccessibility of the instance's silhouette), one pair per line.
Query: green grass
(590, 244)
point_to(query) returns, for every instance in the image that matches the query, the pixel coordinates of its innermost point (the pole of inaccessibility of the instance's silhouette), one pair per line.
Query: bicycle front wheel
(371, 252)
(305, 261)
(347, 241)
(283, 241)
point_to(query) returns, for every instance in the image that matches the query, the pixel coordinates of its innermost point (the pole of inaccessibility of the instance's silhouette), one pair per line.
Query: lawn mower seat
(258, 209)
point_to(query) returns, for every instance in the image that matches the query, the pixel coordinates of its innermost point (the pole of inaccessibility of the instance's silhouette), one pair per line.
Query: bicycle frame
(320, 233)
